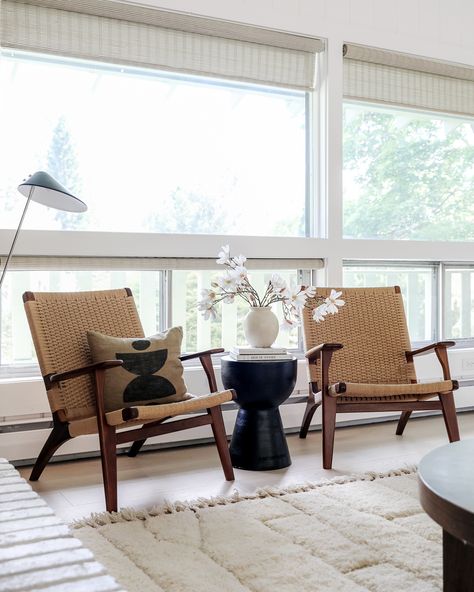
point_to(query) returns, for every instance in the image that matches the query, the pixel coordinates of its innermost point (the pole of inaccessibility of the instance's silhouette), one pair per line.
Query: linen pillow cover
(152, 372)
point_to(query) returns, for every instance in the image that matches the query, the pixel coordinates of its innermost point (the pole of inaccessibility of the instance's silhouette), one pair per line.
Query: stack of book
(261, 354)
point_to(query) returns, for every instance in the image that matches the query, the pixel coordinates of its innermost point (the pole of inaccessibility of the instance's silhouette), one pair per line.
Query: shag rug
(360, 533)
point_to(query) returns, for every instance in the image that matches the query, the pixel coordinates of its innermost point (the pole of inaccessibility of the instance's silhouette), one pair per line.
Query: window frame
(141, 246)
(438, 293)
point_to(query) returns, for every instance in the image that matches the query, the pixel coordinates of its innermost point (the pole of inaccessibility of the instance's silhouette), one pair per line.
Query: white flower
(203, 304)
(209, 294)
(227, 282)
(209, 313)
(223, 255)
(277, 283)
(333, 302)
(294, 296)
(239, 274)
(287, 324)
(320, 312)
(207, 297)
(207, 308)
(239, 260)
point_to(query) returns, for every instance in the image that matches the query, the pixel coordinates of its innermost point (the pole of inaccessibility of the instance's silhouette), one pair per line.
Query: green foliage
(62, 165)
(291, 226)
(414, 176)
(190, 212)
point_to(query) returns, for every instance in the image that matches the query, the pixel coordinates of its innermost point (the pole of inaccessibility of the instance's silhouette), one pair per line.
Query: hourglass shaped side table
(258, 441)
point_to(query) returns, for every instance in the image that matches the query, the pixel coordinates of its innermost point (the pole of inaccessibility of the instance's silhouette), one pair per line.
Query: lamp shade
(42, 188)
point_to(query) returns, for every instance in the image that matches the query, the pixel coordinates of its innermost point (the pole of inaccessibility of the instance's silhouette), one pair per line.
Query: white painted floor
(74, 489)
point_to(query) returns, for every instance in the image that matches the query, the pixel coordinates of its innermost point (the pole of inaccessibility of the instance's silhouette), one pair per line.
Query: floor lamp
(43, 189)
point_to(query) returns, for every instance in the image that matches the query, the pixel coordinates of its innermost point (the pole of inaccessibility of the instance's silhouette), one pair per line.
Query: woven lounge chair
(372, 368)
(75, 386)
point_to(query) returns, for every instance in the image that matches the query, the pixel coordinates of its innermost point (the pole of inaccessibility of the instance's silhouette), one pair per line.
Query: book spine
(251, 357)
(257, 352)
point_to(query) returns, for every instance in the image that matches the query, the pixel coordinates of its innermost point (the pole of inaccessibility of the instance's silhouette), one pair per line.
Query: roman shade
(132, 35)
(383, 76)
(149, 263)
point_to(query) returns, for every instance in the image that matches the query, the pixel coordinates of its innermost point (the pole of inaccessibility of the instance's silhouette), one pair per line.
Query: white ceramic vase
(261, 326)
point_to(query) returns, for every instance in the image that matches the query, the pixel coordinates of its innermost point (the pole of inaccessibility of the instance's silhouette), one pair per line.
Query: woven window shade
(114, 32)
(400, 79)
(149, 263)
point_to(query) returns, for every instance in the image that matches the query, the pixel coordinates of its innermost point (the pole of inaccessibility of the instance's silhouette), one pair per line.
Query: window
(173, 129)
(418, 284)
(164, 298)
(407, 174)
(459, 298)
(17, 349)
(408, 184)
(226, 331)
(150, 151)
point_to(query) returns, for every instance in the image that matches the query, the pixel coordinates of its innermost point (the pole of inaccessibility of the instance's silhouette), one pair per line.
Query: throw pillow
(152, 372)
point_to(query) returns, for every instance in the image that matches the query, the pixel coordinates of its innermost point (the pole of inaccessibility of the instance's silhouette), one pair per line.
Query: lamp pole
(43, 189)
(30, 193)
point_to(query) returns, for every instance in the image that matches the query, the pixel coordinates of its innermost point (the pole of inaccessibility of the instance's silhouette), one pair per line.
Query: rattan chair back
(59, 322)
(373, 330)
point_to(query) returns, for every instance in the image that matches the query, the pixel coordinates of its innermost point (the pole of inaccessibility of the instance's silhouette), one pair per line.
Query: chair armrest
(207, 352)
(52, 378)
(315, 352)
(206, 362)
(429, 348)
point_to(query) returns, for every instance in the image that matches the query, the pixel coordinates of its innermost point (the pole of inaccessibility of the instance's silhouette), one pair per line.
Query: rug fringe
(97, 520)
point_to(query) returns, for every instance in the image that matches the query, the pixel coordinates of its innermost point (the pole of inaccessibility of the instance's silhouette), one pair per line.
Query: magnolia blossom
(289, 323)
(239, 273)
(310, 291)
(240, 260)
(210, 313)
(320, 312)
(333, 302)
(278, 284)
(223, 255)
(208, 295)
(227, 282)
(294, 298)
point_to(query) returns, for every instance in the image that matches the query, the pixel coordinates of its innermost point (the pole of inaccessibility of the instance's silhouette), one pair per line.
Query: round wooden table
(258, 441)
(446, 480)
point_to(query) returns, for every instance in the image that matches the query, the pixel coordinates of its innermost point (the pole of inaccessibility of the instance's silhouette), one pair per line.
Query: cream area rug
(365, 533)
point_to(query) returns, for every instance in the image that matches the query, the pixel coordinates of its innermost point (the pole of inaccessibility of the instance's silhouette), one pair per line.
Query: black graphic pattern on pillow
(147, 386)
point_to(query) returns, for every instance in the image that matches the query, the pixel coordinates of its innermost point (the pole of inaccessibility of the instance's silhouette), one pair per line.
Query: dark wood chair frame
(109, 438)
(330, 406)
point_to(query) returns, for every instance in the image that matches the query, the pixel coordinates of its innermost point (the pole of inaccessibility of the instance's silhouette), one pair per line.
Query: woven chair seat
(360, 392)
(148, 413)
(361, 359)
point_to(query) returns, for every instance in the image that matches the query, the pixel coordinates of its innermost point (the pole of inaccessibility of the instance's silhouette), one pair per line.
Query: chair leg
(402, 422)
(307, 417)
(450, 417)
(218, 429)
(59, 434)
(137, 445)
(135, 448)
(108, 454)
(329, 426)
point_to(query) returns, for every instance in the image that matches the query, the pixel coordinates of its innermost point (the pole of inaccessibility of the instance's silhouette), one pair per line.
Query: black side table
(258, 441)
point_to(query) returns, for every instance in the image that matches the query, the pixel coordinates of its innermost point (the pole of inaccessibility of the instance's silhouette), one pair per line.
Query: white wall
(433, 28)
(436, 28)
